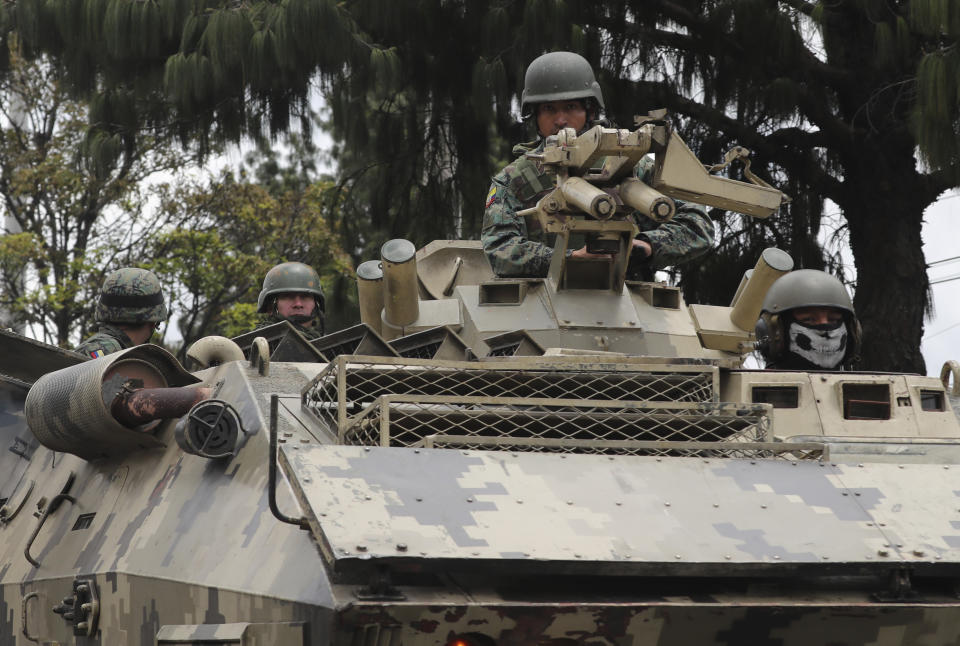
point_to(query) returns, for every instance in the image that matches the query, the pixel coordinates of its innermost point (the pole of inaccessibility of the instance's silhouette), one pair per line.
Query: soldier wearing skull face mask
(807, 323)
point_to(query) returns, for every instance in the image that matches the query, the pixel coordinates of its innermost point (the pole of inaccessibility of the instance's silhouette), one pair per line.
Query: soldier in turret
(560, 91)
(292, 292)
(807, 322)
(129, 309)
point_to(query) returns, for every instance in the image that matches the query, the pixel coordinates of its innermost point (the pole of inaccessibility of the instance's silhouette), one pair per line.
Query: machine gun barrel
(588, 198)
(649, 201)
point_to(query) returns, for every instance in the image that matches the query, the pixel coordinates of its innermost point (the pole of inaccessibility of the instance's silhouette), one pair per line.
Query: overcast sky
(941, 339)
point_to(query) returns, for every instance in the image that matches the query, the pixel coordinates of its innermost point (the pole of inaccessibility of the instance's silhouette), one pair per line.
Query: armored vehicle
(576, 459)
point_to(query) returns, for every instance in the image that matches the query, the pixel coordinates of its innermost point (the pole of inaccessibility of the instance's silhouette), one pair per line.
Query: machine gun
(596, 193)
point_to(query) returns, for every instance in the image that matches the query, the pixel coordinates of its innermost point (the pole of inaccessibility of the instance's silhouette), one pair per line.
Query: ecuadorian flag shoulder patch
(96, 354)
(491, 195)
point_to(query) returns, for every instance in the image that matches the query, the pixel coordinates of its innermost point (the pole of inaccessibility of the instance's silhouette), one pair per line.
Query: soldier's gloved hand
(637, 267)
(641, 250)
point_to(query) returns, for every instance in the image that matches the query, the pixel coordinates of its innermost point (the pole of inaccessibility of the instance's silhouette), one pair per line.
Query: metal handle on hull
(52, 507)
(23, 616)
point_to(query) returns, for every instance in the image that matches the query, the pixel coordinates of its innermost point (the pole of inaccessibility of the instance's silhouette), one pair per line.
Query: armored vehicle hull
(576, 459)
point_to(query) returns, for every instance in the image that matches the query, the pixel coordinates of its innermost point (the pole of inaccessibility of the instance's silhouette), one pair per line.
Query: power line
(942, 262)
(936, 334)
(946, 279)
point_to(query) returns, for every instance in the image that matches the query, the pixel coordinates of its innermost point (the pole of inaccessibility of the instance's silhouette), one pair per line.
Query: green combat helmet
(131, 295)
(557, 76)
(803, 288)
(291, 277)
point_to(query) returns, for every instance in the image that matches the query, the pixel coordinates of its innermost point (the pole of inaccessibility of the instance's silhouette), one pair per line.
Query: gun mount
(597, 192)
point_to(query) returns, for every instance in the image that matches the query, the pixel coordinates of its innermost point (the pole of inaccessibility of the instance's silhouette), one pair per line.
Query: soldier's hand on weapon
(582, 253)
(641, 249)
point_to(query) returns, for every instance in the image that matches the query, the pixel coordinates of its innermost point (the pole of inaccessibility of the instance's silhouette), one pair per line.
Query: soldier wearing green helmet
(560, 91)
(807, 322)
(129, 309)
(292, 292)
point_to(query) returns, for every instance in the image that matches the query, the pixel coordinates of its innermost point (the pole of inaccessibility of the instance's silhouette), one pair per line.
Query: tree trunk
(884, 205)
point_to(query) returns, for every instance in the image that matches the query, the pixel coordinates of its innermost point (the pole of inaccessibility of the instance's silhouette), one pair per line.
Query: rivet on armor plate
(918, 552)
(776, 557)
(361, 548)
(666, 504)
(728, 557)
(569, 502)
(401, 547)
(469, 499)
(846, 493)
(419, 499)
(716, 505)
(763, 506)
(883, 553)
(307, 480)
(677, 556)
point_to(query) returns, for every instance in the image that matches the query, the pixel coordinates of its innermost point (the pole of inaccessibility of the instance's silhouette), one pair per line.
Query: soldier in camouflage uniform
(292, 292)
(560, 91)
(130, 308)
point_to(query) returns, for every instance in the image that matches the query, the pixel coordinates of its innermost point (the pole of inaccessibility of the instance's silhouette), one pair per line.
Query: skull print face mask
(822, 345)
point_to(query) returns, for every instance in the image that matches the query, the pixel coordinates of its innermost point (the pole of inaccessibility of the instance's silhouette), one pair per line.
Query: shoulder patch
(491, 196)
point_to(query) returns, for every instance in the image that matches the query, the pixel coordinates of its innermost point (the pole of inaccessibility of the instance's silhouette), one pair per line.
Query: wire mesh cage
(622, 409)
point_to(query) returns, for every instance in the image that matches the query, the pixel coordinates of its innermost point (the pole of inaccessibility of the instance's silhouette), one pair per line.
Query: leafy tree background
(835, 98)
(75, 220)
(210, 241)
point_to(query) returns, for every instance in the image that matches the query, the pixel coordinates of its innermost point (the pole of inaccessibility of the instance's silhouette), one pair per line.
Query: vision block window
(932, 400)
(866, 401)
(778, 396)
(83, 521)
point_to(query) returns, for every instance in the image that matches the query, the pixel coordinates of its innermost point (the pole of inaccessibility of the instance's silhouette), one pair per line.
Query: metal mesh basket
(536, 406)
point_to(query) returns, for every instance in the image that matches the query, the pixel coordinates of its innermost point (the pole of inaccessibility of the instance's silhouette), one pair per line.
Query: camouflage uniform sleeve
(688, 235)
(504, 236)
(98, 345)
